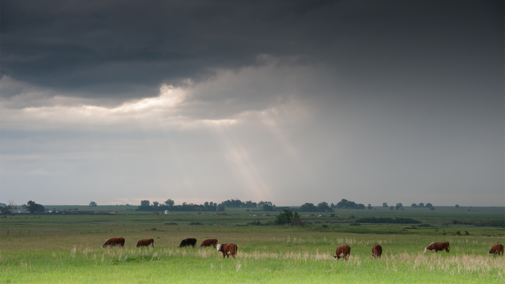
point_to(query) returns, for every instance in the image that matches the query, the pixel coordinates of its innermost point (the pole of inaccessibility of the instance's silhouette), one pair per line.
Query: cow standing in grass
(228, 249)
(496, 249)
(342, 251)
(112, 242)
(209, 242)
(377, 251)
(146, 243)
(188, 242)
(435, 247)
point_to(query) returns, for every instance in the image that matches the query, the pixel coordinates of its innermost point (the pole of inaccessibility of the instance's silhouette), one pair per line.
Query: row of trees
(232, 203)
(346, 204)
(421, 205)
(169, 204)
(399, 205)
(324, 207)
(321, 207)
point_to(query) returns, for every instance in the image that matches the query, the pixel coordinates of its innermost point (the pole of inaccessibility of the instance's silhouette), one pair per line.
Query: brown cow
(112, 242)
(435, 247)
(376, 251)
(228, 249)
(343, 251)
(496, 249)
(209, 242)
(146, 243)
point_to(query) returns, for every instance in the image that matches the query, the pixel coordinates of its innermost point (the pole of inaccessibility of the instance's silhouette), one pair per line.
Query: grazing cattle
(209, 242)
(376, 251)
(112, 242)
(435, 247)
(496, 249)
(228, 249)
(342, 251)
(188, 242)
(146, 243)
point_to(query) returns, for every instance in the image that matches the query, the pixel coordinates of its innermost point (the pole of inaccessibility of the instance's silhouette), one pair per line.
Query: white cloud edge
(171, 109)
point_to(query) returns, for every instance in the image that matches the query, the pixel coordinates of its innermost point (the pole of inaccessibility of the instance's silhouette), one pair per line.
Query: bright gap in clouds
(220, 99)
(142, 109)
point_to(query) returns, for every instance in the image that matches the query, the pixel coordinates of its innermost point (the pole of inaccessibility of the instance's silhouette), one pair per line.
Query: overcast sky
(118, 101)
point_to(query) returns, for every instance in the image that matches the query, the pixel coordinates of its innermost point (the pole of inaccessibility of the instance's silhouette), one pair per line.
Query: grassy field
(66, 248)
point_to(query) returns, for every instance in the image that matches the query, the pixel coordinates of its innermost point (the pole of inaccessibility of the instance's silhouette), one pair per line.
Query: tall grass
(63, 249)
(206, 265)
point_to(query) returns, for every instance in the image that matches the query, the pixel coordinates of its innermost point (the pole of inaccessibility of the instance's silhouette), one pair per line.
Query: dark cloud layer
(127, 49)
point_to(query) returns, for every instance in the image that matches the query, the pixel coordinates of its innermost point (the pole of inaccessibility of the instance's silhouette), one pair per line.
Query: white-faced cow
(228, 249)
(188, 242)
(146, 243)
(376, 251)
(435, 247)
(342, 251)
(209, 242)
(496, 249)
(112, 242)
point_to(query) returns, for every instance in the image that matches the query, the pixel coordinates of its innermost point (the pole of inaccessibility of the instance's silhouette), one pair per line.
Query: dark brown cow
(146, 243)
(112, 242)
(209, 242)
(435, 247)
(227, 249)
(188, 242)
(343, 251)
(496, 249)
(376, 251)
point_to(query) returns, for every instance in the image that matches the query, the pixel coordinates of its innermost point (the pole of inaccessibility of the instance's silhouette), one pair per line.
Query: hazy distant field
(66, 249)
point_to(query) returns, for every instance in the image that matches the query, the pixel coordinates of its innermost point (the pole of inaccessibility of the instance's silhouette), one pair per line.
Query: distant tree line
(421, 205)
(169, 204)
(346, 204)
(400, 206)
(145, 205)
(239, 204)
(324, 207)
(262, 205)
(310, 207)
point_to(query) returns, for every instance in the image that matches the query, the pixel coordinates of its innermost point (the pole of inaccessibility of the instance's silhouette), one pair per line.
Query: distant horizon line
(380, 206)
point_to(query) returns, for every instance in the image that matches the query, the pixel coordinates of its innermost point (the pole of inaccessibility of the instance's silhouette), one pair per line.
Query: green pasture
(67, 248)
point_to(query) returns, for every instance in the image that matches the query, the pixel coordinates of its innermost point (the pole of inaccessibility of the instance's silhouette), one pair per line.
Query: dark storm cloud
(127, 49)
